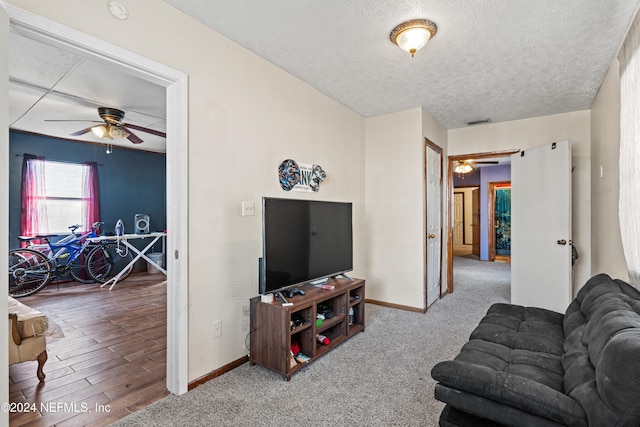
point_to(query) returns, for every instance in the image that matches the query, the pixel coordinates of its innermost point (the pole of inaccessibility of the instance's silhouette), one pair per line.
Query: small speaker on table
(141, 222)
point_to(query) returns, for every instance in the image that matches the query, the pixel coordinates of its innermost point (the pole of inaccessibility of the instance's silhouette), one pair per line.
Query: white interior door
(541, 227)
(434, 225)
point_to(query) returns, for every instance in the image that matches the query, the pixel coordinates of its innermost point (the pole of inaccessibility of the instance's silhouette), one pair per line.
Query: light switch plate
(248, 208)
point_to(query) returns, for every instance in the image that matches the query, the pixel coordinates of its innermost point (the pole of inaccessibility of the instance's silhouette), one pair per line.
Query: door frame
(475, 208)
(491, 209)
(177, 93)
(452, 159)
(438, 149)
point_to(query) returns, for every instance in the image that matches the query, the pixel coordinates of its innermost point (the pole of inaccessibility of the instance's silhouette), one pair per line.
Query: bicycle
(30, 270)
(33, 267)
(107, 260)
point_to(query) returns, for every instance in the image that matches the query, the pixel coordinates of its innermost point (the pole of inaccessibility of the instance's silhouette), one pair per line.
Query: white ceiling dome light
(411, 36)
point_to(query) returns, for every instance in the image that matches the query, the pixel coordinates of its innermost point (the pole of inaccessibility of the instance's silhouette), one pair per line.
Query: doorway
(453, 160)
(176, 84)
(466, 212)
(500, 221)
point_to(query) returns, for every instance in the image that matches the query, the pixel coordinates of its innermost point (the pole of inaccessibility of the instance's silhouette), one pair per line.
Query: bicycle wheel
(29, 271)
(108, 260)
(77, 268)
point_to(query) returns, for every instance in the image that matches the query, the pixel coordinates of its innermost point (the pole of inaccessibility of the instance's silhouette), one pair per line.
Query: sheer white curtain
(630, 150)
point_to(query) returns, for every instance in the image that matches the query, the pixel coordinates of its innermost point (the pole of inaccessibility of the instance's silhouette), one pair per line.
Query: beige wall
(395, 204)
(394, 208)
(606, 244)
(245, 117)
(529, 133)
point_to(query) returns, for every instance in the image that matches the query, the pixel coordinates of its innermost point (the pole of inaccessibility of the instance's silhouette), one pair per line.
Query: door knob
(562, 242)
(431, 236)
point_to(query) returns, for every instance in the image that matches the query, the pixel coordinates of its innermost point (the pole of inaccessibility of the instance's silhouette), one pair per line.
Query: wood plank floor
(110, 362)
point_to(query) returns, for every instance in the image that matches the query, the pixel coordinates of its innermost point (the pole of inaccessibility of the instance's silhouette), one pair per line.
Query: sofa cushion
(513, 360)
(601, 352)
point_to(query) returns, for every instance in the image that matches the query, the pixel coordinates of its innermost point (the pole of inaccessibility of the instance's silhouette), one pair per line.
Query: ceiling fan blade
(486, 163)
(132, 137)
(87, 121)
(82, 132)
(147, 130)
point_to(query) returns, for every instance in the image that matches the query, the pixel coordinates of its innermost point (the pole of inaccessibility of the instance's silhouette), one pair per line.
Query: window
(56, 195)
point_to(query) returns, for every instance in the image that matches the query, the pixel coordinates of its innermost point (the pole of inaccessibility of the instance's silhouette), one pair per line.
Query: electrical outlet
(216, 329)
(245, 318)
(248, 208)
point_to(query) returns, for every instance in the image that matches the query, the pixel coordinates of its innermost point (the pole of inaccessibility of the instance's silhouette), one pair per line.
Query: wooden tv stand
(272, 330)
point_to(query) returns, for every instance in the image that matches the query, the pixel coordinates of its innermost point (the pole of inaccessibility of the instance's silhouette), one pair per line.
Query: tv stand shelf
(273, 331)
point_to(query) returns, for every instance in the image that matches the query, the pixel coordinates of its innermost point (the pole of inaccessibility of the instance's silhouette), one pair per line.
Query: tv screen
(304, 240)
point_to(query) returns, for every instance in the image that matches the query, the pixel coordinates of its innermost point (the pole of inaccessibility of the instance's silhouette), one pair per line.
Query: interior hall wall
(606, 243)
(131, 181)
(395, 213)
(245, 117)
(396, 204)
(538, 131)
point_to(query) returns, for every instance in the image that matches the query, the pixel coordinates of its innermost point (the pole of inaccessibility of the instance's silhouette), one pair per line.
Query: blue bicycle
(33, 267)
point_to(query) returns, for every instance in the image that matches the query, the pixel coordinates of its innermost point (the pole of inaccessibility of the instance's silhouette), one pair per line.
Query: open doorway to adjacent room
(167, 358)
(471, 220)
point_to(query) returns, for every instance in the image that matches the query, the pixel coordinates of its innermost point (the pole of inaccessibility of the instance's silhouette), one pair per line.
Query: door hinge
(175, 254)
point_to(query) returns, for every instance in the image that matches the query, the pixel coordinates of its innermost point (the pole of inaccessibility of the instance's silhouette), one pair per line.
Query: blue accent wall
(471, 179)
(131, 181)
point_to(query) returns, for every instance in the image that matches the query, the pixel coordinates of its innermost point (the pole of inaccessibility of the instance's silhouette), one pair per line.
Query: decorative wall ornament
(288, 174)
(300, 176)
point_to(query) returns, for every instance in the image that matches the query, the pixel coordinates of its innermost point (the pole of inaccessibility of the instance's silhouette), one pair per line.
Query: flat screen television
(303, 241)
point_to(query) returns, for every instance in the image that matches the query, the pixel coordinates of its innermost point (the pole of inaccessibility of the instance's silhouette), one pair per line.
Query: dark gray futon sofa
(525, 366)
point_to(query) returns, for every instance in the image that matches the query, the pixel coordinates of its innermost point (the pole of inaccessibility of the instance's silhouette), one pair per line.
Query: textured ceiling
(496, 59)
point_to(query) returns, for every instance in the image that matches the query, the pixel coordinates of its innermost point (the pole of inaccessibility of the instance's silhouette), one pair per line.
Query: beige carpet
(378, 378)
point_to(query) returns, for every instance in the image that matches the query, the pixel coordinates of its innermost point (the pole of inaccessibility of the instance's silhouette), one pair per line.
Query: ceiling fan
(113, 126)
(466, 166)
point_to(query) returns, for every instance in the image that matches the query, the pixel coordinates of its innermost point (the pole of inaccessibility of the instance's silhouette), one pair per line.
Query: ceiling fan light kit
(463, 167)
(114, 127)
(108, 131)
(411, 36)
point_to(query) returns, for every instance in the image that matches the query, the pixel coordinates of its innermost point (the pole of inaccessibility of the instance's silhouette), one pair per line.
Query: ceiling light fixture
(101, 131)
(109, 131)
(463, 167)
(411, 36)
(118, 132)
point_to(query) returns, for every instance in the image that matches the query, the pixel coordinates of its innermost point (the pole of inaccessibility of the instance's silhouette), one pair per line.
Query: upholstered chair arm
(13, 327)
